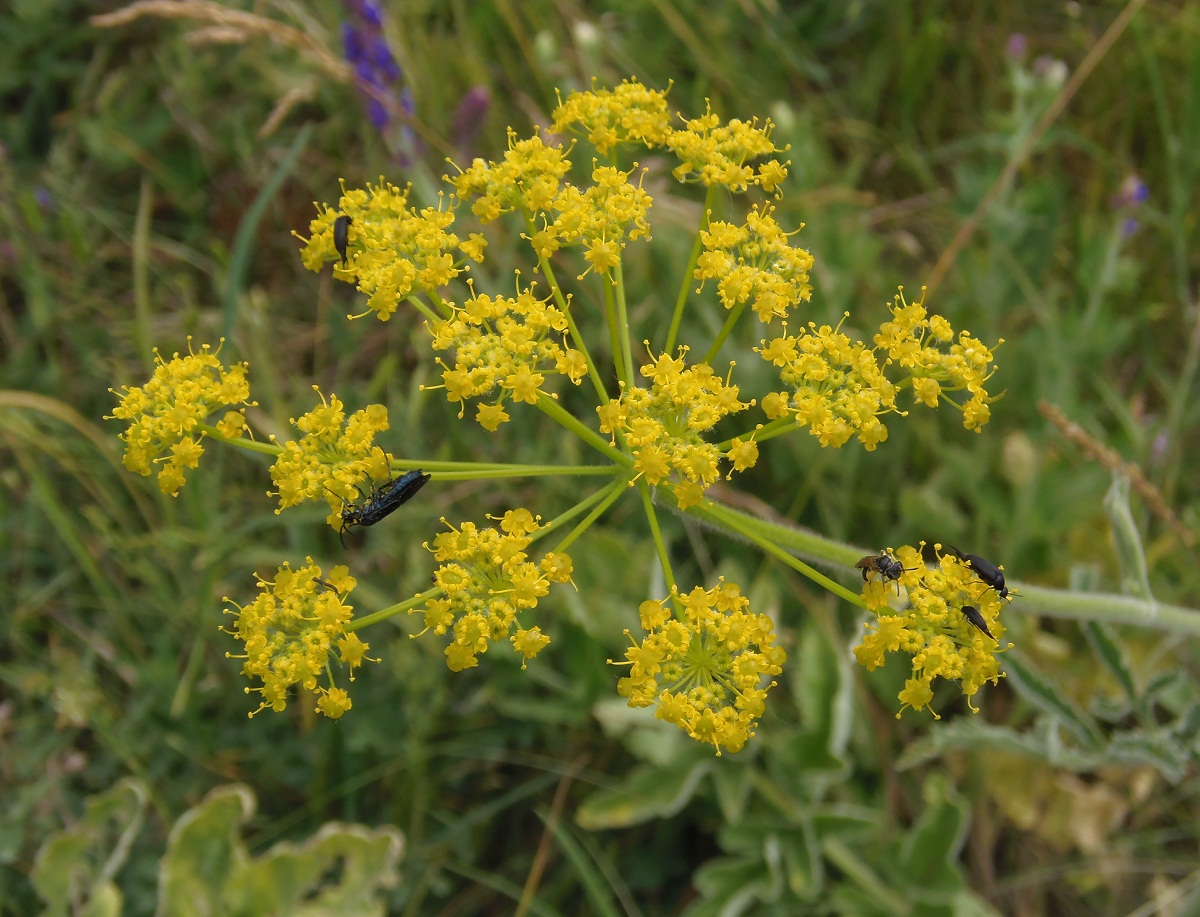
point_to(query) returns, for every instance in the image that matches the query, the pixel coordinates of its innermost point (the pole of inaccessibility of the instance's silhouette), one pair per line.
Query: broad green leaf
(1036, 688)
(929, 855)
(647, 793)
(1111, 653)
(84, 859)
(1160, 749)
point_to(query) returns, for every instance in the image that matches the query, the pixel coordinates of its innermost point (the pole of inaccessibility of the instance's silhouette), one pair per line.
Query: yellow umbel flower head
(165, 413)
(393, 251)
(705, 669)
(716, 154)
(290, 631)
(754, 263)
(631, 113)
(951, 626)
(486, 580)
(333, 458)
(839, 387)
(526, 181)
(505, 343)
(664, 425)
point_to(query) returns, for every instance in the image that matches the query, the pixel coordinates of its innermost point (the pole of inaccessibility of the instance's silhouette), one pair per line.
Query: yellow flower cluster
(912, 340)
(706, 669)
(290, 631)
(934, 629)
(754, 263)
(332, 457)
(527, 181)
(663, 425)
(393, 251)
(486, 581)
(503, 343)
(716, 154)
(631, 113)
(599, 218)
(164, 414)
(838, 386)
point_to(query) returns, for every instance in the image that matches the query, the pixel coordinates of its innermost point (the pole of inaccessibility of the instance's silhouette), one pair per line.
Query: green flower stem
(1100, 606)
(558, 413)
(611, 494)
(577, 340)
(685, 287)
(752, 529)
(239, 442)
(623, 322)
(761, 434)
(664, 559)
(392, 610)
(734, 314)
(1052, 603)
(604, 493)
(614, 329)
(429, 313)
(470, 471)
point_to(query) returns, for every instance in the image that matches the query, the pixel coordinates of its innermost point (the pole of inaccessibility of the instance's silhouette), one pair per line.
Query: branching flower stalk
(706, 661)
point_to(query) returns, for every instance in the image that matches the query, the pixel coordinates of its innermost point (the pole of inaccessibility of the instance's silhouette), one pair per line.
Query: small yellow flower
(290, 632)
(934, 630)
(486, 581)
(507, 344)
(394, 251)
(664, 425)
(333, 458)
(527, 181)
(716, 154)
(755, 263)
(164, 414)
(630, 113)
(706, 669)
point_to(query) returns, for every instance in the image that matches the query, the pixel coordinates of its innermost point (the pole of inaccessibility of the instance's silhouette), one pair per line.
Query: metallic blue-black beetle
(972, 614)
(383, 501)
(989, 574)
(341, 236)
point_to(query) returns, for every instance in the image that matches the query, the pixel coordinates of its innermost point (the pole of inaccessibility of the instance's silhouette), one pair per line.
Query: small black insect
(988, 572)
(384, 501)
(971, 613)
(341, 236)
(885, 565)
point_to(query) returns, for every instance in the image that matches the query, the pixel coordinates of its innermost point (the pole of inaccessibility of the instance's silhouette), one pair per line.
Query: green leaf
(648, 793)
(1036, 688)
(1159, 748)
(1127, 540)
(82, 860)
(1112, 655)
(929, 856)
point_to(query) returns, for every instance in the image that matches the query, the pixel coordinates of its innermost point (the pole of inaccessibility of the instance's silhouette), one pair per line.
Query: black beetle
(988, 572)
(384, 501)
(341, 236)
(972, 614)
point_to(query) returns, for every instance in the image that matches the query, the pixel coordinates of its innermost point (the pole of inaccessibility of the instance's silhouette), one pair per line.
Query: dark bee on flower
(383, 501)
(989, 574)
(972, 614)
(341, 236)
(885, 565)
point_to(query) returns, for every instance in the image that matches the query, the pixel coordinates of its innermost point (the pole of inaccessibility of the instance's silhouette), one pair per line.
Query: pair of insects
(989, 574)
(383, 501)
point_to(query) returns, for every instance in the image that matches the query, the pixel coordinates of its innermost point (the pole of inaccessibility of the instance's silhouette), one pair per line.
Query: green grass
(138, 205)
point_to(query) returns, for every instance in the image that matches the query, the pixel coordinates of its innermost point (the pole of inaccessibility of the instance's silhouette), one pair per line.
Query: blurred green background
(151, 174)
